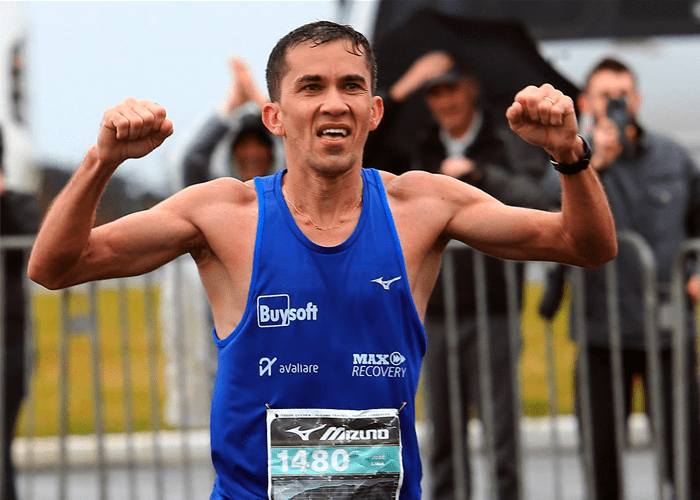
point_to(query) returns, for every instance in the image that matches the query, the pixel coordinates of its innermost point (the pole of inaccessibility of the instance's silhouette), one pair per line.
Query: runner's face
(326, 107)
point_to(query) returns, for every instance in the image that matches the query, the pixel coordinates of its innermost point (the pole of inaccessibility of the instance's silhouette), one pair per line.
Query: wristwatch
(573, 168)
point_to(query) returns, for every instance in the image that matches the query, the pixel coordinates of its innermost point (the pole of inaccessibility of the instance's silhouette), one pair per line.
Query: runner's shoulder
(415, 184)
(224, 189)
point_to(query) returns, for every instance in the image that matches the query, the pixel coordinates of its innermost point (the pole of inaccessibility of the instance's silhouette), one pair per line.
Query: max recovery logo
(276, 311)
(378, 365)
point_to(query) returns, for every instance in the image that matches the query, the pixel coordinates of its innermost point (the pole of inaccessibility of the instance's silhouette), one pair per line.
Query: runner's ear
(377, 112)
(272, 118)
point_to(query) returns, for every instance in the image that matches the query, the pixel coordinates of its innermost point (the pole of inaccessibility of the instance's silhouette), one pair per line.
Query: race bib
(334, 454)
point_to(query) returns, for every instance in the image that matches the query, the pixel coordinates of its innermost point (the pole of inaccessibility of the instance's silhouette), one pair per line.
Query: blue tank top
(324, 327)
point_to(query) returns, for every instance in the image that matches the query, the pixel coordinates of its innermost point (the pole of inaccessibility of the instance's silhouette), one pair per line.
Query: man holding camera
(654, 190)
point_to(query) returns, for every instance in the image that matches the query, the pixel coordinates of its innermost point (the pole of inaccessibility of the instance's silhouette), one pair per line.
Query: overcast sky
(87, 56)
(84, 57)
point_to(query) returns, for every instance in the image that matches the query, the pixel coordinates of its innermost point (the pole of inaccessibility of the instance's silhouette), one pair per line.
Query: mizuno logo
(385, 284)
(343, 434)
(304, 435)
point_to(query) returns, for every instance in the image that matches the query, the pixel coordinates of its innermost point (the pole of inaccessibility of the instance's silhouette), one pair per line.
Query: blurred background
(73, 60)
(64, 63)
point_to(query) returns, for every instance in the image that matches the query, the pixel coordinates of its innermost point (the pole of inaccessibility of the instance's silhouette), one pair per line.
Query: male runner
(318, 277)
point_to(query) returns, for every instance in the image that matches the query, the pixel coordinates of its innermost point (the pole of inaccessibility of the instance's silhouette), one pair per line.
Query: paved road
(178, 484)
(550, 477)
(546, 475)
(121, 484)
(540, 483)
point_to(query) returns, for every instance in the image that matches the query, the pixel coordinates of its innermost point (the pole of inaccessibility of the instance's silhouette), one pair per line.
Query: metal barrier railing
(163, 463)
(649, 294)
(485, 364)
(653, 388)
(458, 427)
(654, 391)
(153, 463)
(6, 243)
(680, 382)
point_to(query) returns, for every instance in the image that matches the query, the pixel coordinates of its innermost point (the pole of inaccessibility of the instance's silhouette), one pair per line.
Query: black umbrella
(501, 54)
(562, 19)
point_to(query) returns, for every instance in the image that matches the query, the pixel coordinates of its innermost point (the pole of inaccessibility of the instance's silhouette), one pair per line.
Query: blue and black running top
(324, 328)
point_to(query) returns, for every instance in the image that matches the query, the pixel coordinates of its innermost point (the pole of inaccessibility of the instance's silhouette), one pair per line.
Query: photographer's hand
(606, 144)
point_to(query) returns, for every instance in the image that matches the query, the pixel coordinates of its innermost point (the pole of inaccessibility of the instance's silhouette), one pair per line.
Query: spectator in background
(252, 146)
(653, 188)
(469, 143)
(18, 215)
(250, 151)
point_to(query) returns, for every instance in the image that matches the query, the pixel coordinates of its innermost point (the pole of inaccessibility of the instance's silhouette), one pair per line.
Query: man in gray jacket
(653, 188)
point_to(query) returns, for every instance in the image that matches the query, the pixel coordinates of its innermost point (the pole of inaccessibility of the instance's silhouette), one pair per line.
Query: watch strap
(577, 166)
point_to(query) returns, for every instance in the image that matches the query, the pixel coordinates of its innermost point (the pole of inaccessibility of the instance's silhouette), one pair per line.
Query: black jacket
(510, 170)
(18, 215)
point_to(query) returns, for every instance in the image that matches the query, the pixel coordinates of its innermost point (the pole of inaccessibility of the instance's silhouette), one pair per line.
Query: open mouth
(334, 133)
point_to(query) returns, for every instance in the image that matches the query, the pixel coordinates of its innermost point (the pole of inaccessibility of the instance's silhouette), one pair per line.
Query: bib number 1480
(321, 460)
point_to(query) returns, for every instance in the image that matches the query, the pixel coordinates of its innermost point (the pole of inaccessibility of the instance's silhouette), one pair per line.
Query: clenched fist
(545, 117)
(131, 129)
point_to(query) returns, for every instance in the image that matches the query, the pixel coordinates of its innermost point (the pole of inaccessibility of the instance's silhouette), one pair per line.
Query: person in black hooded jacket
(471, 142)
(18, 215)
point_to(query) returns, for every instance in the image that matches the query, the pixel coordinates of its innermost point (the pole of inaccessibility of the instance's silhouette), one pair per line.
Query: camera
(617, 112)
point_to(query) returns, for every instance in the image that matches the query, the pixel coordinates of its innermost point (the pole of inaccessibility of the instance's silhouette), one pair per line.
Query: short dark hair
(318, 33)
(610, 64)
(252, 126)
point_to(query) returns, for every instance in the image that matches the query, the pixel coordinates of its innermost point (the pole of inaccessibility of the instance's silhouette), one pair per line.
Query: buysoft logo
(276, 311)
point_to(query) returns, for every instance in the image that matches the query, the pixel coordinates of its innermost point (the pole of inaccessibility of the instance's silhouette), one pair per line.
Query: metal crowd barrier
(485, 378)
(680, 423)
(172, 460)
(6, 243)
(163, 461)
(653, 391)
(583, 449)
(678, 486)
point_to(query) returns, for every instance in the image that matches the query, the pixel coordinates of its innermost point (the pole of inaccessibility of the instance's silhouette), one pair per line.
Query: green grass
(44, 385)
(80, 378)
(533, 360)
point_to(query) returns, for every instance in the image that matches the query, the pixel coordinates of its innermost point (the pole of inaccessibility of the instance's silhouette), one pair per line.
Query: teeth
(340, 131)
